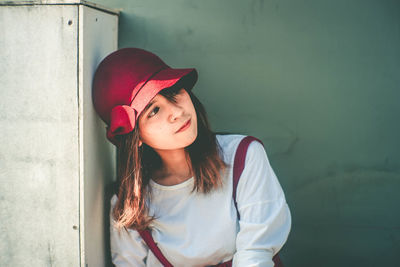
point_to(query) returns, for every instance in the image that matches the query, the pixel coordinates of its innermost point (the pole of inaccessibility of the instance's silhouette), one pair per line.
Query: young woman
(174, 204)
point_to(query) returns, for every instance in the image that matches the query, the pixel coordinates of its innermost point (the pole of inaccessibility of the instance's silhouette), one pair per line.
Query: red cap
(126, 81)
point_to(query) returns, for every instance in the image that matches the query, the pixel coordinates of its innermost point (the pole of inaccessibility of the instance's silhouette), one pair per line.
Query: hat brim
(166, 78)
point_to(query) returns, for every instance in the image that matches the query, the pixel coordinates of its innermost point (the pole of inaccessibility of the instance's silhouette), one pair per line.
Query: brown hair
(135, 165)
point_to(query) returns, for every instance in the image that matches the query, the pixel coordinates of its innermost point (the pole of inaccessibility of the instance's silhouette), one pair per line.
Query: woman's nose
(175, 112)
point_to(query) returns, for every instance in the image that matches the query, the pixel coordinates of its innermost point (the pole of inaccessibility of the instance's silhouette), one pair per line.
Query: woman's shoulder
(228, 144)
(229, 140)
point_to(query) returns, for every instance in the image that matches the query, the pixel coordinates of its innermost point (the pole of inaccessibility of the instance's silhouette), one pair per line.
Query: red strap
(146, 235)
(238, 164)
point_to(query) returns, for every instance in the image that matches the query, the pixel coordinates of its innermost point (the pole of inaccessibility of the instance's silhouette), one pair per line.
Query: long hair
(135, 165)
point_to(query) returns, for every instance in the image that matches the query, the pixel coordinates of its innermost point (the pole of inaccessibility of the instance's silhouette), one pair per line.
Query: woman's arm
(127, 247)
(265, 219)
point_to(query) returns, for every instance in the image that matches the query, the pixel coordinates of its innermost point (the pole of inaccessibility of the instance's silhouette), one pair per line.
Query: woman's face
(165, 125)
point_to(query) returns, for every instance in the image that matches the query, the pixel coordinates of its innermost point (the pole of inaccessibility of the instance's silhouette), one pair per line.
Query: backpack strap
(238, 164)
(148, 239)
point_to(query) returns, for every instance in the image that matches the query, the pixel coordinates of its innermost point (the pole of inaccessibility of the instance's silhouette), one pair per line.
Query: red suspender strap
(146, 235)
(238, 164)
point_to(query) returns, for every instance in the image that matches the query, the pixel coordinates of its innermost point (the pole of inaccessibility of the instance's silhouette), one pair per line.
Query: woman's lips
(185, 126)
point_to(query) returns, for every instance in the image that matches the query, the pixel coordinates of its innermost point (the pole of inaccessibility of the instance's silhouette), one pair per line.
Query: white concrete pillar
(54, 158)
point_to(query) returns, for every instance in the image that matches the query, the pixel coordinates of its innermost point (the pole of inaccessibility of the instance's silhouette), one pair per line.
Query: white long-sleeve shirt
(196, 229)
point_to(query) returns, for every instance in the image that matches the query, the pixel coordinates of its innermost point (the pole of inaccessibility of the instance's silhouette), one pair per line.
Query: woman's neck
(175, 168)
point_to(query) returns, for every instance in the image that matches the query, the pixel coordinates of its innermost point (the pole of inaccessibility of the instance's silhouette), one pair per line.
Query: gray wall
(318, 82)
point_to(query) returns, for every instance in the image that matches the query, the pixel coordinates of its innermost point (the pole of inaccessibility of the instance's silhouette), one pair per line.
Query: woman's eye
(154, 111)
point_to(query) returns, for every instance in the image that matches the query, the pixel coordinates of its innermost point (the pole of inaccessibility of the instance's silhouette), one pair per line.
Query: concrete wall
(39, 142)
(318, 82)
(54, 159)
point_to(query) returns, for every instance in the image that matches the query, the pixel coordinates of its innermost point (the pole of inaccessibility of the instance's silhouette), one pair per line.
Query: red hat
(126, 81)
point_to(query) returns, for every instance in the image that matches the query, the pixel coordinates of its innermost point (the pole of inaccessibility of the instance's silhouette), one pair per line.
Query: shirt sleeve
(265, 218)
(127, 246)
